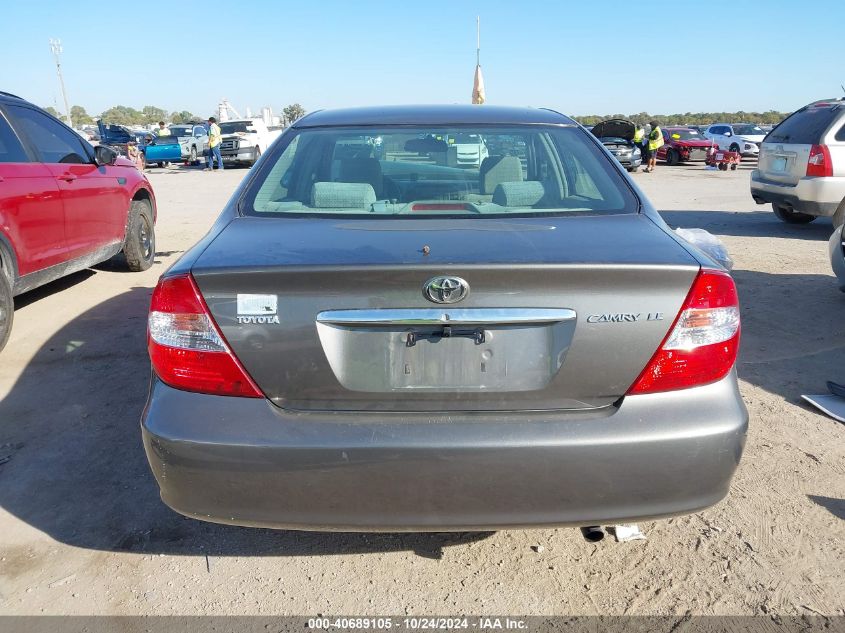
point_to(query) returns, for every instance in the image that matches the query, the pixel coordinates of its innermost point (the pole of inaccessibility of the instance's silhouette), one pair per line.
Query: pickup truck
(244, 140)
(193, 140)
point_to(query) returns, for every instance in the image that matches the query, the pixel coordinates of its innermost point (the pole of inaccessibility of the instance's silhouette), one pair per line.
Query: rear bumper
(246, 462)
(814, 196)
(627, 161)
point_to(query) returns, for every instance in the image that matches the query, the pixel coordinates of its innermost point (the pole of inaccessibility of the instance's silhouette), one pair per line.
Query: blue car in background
(162, 150)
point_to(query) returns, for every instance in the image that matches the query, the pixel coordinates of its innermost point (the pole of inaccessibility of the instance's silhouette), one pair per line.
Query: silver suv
(802, 165)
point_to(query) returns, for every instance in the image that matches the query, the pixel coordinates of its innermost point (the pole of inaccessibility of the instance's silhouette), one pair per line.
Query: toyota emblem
(445, 289)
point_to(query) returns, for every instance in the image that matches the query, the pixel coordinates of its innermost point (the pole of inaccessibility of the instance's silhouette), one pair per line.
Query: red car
(682, 144)
(64, 205)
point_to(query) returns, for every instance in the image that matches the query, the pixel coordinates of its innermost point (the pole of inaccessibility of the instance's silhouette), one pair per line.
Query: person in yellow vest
(214, 140)
(162, 131)
(655, 142)
(639, 135)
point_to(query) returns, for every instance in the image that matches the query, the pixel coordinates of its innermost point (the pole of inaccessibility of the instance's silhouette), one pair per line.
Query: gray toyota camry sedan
(376, 335)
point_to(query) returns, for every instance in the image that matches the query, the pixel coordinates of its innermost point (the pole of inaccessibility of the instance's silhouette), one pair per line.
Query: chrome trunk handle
(440, 316)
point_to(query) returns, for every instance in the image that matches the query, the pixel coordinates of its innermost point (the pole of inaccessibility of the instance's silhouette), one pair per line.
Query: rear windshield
(806, 126)
(426, 171)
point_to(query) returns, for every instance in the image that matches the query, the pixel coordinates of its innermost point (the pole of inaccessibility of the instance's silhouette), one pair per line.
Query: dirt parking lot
(84, 532)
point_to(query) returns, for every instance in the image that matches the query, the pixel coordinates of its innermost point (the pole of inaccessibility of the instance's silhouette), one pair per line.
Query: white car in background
(744, 138)
(471, 149)
(193, 139)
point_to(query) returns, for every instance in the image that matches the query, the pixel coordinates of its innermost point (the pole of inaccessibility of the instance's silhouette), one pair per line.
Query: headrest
(518, 194)
(366, 169)
(339, 195)
(496, 169)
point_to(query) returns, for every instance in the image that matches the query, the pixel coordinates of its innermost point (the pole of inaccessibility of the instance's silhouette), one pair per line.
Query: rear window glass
(419, 171)
(805, 127)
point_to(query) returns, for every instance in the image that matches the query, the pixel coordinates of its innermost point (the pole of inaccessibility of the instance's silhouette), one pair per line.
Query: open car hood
(621, 128)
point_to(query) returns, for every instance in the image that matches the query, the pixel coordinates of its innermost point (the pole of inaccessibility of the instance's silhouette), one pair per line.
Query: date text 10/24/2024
(418, 623)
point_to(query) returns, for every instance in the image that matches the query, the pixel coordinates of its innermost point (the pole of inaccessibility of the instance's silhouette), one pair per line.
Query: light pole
(56, 47)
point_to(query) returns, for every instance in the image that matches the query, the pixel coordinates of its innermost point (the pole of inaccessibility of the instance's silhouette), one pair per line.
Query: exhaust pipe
(593, 533)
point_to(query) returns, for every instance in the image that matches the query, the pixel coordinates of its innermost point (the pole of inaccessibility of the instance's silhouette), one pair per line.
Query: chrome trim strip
(435, 316)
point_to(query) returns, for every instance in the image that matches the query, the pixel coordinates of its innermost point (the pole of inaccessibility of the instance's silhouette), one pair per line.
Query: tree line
(150, 115)
(770, 117)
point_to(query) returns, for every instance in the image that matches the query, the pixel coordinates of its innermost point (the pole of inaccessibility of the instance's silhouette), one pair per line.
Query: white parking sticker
(257, 308)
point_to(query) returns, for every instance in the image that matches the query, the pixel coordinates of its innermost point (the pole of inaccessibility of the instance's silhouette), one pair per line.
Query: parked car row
(64, 205)
(681, 143)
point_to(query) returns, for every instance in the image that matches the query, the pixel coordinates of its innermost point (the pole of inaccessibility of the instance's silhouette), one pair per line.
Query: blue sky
(578, 57)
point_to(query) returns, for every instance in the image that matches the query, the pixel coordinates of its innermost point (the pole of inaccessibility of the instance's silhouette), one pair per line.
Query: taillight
(819, 163)
(187, 349)
(702, 345)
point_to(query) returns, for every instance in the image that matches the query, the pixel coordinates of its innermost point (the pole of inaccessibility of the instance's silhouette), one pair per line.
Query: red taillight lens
(702, 345)
(187, 349)
(819, 163)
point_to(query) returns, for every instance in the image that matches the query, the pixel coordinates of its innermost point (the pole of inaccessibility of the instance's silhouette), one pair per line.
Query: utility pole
(56, 47)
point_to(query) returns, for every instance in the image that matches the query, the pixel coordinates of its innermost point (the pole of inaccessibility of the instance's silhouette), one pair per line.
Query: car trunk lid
(562, 313)
(783, 163)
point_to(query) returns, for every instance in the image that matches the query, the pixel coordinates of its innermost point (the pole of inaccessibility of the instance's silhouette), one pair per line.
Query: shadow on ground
(52, 288)
(72, 464)
(835, 506)
(761, 223)
(793, 334)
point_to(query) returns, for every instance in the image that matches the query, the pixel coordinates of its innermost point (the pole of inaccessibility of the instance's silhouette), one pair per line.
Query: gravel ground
(84, 532)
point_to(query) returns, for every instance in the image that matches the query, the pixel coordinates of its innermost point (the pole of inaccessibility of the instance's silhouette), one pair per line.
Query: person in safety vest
(162, 131)
(639, 136)
(214, 140)
(655, 142)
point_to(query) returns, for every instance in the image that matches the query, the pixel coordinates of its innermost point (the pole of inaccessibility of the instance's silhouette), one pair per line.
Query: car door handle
(68, 177)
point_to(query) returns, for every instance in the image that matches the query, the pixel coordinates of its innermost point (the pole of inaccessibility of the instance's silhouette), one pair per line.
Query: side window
(199, 130)
(274, 191)
(840, 135)
(53, 142)
(11, 150)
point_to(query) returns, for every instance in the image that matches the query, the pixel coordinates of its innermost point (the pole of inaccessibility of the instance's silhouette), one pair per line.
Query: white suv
(802, 165)
(744, 138)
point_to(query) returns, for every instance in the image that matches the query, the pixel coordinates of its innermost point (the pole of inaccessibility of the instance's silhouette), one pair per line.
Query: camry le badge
(445, 289)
